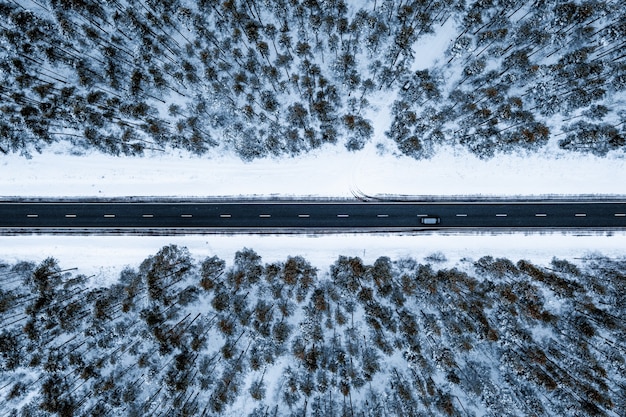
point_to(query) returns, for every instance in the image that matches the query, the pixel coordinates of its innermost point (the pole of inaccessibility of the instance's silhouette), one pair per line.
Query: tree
(299, 274)
(247, 269)
(257, 389)
(291, 395)
(382, 275)
(281, 332)
(211, 270)
(597, 139)
(370, 362)
(165, 269)
(10, 351)
(133, 286)
(55, 397)
(297, 115)
(347, 272)
(45, 278)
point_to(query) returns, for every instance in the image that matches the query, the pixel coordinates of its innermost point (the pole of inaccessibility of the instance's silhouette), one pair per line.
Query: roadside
(327, 173)
(102, 257)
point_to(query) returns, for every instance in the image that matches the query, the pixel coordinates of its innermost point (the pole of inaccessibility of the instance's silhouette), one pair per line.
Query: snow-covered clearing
(330, 172)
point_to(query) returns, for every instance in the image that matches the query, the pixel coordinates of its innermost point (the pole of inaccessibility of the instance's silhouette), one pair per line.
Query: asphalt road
(312, 215)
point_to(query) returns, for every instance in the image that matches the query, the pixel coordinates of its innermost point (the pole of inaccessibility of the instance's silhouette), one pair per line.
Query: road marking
(109, 216)
(186, 216)
(32, 216)
(620, 214)
(265, 216)
(304, 216)
(501, 215)
(225, 216)
(580, 214)
(541, 215)
(422, 215)
(343, 215)
(147, 216)
(382, 215)
(461, 215)
(70, 216)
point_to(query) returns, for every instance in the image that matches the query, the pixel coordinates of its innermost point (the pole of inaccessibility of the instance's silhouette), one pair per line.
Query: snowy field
(330, 172)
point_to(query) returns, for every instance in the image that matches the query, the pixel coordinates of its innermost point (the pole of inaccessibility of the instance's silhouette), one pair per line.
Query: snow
(103, 257)
(328, 172)
(428, 50)
(457, 172)
(331, 171)
(175, 174)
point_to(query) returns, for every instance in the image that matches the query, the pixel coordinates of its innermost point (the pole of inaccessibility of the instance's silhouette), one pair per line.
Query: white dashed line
(541, 215)
(32, 216)
(304, 216)
(265, 216)
(70, 216)
(225, 216)
(109, 216)
(147, 216)
(343, 215)
(620, 214)
(501, 215)
(461, 215)
(186, 216)
(422, 215)
(382, 215)
(580, 214)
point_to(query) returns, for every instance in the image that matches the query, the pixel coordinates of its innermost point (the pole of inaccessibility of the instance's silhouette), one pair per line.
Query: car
(430, 220)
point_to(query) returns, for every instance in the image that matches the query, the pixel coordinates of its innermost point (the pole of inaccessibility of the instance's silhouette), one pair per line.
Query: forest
(260, 78)
(178, 335)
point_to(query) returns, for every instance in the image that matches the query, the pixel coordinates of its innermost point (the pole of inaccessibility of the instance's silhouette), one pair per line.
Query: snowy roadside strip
(487, 198)
(293, 199)
(276, 232)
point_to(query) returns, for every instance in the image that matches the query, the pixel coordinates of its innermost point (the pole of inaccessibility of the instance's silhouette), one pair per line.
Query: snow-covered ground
(104, 256)
(329, 172)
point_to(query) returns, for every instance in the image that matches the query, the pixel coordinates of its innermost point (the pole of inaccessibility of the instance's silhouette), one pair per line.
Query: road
(268, 216)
